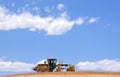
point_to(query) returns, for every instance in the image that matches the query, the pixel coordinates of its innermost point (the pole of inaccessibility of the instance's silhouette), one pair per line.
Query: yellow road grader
(51, 65)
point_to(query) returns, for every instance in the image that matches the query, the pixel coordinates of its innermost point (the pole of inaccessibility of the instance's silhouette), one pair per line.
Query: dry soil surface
(68, 74)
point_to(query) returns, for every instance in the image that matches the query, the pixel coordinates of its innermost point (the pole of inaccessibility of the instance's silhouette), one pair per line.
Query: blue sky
(73, 31)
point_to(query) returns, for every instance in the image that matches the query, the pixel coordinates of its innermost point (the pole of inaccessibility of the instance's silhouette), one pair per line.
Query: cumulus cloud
(15, 66)
(57, 24)
(60, 6)
(10, 66)
(42, 61)
(52, 25)
(101, 65)
(93, 20)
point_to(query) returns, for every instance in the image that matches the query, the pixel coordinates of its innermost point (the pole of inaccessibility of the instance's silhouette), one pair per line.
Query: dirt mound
(68, 74)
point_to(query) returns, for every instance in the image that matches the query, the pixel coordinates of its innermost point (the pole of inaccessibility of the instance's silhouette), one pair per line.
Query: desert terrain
(68, 74)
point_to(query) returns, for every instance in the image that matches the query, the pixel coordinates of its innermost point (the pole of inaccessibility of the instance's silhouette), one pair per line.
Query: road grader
(51, 65)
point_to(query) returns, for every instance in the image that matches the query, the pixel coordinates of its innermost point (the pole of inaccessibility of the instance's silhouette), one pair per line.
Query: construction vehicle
(50, 65)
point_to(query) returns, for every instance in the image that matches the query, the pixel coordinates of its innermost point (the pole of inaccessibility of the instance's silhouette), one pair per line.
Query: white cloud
(79, 21)
(15, 66)
(36, 9)
(52, 25)
(93, 20)
(102, 65)
(42, 61)
(10, 66)
(60, 6)
(48, 9)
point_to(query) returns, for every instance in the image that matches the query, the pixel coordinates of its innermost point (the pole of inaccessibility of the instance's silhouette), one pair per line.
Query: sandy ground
(68, 74)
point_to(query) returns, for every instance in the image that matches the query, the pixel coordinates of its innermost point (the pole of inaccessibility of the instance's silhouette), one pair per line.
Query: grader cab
(50, 65)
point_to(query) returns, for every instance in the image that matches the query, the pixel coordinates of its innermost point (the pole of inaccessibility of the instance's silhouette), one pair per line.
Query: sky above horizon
(84, 33)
